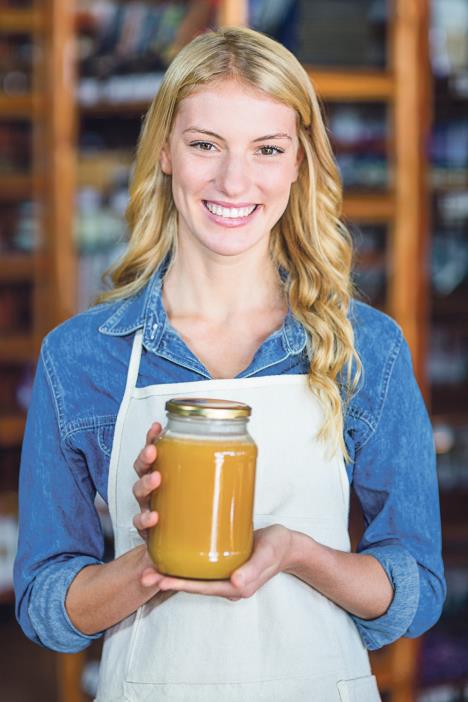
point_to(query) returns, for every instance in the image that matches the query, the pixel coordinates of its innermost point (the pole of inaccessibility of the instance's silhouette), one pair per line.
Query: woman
(236, 282)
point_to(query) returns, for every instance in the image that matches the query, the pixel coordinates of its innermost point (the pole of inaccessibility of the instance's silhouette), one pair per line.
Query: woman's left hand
(269, 557)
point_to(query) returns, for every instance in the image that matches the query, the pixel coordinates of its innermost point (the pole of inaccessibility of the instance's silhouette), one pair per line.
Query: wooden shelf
(19, 105)
(360, 207)
(16, 267)
(116, 109)
(16, 348)
(15, 186)
(11, 430)
(370, 259)
(19, 21)
(357, 86)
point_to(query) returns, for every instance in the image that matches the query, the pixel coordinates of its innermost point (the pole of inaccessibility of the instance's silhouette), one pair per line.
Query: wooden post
(60, 159)
(411, 116)
(69, 670)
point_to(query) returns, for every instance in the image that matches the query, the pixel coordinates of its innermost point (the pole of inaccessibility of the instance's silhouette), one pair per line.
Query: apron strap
(134, 364)
(132, 377)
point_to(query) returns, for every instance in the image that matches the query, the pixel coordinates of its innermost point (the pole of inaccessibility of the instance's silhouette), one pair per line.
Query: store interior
(76, 79)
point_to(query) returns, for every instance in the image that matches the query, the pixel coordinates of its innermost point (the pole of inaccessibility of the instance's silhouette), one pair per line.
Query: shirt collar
(139, 311)
(145, 310)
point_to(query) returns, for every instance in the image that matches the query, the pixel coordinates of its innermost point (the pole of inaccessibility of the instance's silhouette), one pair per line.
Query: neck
(220, 288)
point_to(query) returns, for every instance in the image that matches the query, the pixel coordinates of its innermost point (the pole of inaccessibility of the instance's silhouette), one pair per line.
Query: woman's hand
(148, 481)
(269, 557)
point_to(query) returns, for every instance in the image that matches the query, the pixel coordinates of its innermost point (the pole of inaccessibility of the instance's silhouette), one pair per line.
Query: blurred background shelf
(17, 186)
(20, 105)
(374, 208)
(18, 21)
(11, 429)
(16, 267)
(353, 85)
(17, 348)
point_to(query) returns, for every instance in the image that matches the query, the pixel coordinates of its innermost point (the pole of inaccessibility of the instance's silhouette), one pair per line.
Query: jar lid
(209, 408)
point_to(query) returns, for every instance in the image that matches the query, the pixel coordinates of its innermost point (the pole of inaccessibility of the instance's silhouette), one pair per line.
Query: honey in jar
(207, 461)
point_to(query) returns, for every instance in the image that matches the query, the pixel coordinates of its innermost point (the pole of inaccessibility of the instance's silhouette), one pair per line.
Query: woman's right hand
(148, 481)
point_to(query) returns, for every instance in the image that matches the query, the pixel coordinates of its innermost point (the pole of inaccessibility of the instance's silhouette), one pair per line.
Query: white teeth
(230, 212)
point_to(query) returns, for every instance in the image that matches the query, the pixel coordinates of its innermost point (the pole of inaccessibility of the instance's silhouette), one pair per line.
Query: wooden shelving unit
(17, 348)
(29, 271)
(449, 390)
(404, 88)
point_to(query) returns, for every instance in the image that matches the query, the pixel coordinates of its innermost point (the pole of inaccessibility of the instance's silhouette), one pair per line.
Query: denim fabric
(79, 384)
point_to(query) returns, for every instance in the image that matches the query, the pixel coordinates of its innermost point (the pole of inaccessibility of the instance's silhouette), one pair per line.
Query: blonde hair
(309, 241)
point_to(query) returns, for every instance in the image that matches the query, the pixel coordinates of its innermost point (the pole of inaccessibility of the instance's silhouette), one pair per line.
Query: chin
(228, 248)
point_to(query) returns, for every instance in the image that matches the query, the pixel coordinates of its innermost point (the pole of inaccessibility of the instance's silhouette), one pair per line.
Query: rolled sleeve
(395, 480)
(402, 571)
(48, 605)
(59, 527)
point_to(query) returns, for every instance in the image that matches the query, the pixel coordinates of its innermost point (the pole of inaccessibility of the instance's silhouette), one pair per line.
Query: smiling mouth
(229, 212)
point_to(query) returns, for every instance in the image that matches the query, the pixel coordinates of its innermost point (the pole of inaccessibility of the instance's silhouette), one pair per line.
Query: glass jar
(207, 461)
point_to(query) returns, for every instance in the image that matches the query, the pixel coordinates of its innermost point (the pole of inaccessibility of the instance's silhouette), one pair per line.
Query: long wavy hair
(309, 242)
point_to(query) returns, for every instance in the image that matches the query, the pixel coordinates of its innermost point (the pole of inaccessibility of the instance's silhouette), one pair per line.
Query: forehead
(229, 103)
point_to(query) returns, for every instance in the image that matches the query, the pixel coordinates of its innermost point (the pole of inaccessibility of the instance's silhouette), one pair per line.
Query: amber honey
(204, 502)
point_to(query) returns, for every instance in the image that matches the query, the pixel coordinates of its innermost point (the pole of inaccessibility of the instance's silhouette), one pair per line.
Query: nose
(233, 177)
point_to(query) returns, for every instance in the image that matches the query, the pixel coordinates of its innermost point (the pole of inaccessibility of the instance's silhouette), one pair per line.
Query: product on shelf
(370, 267)
(8, 539)
(16, 58)
(127, 46)
(449, 36)
(358, 39)
(358, 134)
(100, 235)
(15, 147)
(452, 460)
(15, 307)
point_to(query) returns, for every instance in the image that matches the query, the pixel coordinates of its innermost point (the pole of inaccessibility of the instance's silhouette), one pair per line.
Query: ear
(299, 160)
(165, 160)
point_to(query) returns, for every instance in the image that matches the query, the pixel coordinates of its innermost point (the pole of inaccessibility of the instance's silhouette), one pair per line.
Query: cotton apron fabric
(286, 643)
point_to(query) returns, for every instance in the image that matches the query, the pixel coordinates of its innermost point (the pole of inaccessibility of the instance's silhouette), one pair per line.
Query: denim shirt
(79, 384)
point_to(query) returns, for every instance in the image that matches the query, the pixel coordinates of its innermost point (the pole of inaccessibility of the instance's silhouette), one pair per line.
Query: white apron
(286, 643)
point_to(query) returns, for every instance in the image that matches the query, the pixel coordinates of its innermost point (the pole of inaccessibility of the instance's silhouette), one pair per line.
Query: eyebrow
(279, 135)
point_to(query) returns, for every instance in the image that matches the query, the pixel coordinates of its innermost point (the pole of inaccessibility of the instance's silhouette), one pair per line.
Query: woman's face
(233, 154)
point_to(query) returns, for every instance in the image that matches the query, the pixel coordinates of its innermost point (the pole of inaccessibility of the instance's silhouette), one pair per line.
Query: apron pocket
(359, 690)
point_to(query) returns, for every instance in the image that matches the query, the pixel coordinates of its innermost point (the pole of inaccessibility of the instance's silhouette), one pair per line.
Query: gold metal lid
(209, 408)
